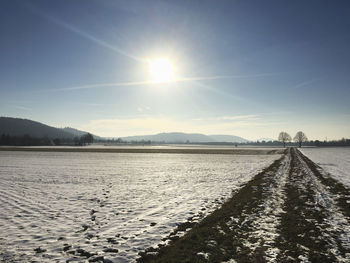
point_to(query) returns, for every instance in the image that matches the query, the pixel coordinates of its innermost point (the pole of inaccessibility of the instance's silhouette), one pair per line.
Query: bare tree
(284, 137)
(300, 137)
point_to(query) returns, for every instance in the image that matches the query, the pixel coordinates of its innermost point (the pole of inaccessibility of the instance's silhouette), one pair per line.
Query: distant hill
(20, 127)
(179, 137)
(266, 140)
(79, 133)
(228, 138)
(73, 131)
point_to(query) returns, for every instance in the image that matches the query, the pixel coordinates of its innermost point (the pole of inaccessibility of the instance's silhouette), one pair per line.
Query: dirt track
(291, 212)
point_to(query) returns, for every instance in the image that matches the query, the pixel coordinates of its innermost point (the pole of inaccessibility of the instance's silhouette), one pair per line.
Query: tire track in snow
(338, 231)
(312, 224)
(264, 224)
(287, 213)
(233, 232)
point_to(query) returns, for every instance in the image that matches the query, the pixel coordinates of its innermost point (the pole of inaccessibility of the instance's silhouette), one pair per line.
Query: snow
(336, 222)
(106, 201)
(264, 223)
(334, 160)
(203, 254)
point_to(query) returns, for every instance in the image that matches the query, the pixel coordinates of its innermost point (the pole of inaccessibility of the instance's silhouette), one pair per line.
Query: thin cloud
(239, 117)
(82, 33)
(148, 82)
(90, 104)
(105, 85)
(142, 109)
(303, 84)
(22, 108)
(250, 117)
(229, 77)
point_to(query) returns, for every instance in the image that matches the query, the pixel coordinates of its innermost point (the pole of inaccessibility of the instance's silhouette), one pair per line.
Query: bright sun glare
(161, 70)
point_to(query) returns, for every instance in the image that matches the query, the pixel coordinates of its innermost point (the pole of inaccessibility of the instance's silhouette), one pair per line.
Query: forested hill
(20, 127)
(79, 133)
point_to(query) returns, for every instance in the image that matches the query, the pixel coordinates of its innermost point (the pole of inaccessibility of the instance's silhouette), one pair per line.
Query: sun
(161, 70)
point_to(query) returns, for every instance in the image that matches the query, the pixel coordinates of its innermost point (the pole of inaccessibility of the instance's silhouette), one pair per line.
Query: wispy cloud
(304, 83)
(91, 104)
(230, 118)
(230, 76)
(148, 82)
(82, 33)
(104, 85)
(21, 108)
(142, 109)
(239, 117)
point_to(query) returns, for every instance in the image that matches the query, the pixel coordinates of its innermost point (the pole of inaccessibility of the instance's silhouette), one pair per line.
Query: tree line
(27, 140)
(283, 139)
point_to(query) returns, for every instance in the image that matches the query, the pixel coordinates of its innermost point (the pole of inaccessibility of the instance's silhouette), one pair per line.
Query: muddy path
(291, 212)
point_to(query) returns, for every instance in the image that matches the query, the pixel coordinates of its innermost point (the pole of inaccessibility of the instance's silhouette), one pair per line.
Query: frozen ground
(291, 212)
(69, 206)
(334, 160)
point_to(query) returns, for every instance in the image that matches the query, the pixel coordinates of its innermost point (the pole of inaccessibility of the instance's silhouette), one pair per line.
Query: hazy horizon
(125, 68)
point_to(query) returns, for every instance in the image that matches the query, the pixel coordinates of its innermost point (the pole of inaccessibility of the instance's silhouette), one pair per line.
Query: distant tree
(317, 143)
(4, 139)
(300, 137)
(284, 137)
(76, 141)
(87, 139)
(57, 141)
(26, 140)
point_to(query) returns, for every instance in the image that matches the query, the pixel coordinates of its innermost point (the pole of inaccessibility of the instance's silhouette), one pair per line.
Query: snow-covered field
(334, 160)
(113, 204)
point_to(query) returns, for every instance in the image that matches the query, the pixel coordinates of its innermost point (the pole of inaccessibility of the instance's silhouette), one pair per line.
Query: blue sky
(251, 68)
